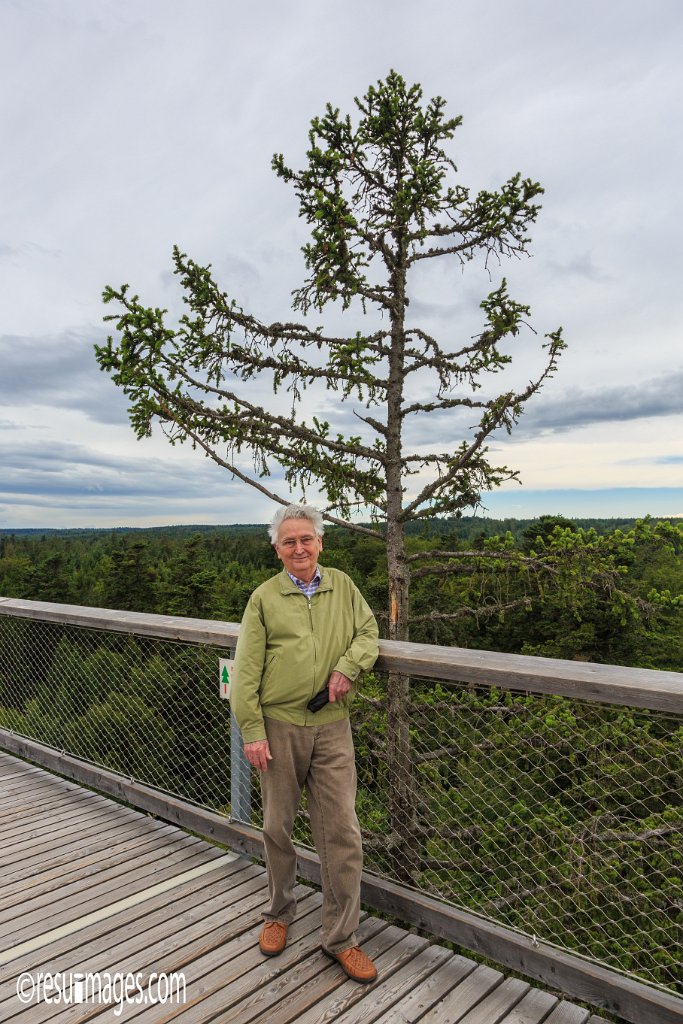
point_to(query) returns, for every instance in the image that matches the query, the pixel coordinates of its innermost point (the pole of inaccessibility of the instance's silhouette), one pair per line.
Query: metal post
(240, 776)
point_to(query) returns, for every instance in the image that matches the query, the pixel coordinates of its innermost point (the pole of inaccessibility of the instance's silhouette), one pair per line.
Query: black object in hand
(319, 701)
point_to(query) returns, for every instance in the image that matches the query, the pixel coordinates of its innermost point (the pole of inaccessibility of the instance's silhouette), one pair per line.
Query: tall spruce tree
(380, 196)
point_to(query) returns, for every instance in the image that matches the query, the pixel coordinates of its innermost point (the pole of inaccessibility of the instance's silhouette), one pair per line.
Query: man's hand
(258, 754)
(339, 685)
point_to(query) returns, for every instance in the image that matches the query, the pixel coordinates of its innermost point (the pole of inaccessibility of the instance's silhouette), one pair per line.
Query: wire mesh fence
(557, 817)
(148, 709)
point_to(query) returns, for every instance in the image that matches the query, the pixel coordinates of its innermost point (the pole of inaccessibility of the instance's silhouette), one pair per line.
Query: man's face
(298, 547)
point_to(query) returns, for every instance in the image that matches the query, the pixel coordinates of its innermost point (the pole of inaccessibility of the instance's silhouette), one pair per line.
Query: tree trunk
(401, 788)
(402, 800)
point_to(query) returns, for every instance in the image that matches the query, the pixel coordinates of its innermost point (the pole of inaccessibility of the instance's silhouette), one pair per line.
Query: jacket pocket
(272, 660)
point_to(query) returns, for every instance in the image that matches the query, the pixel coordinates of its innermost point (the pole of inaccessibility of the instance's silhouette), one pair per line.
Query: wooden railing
(599, 684)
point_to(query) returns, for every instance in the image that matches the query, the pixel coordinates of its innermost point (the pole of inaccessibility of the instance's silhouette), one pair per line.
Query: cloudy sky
(132, 125)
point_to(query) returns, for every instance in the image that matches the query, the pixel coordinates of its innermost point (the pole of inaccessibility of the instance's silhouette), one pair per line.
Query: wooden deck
(88, 885)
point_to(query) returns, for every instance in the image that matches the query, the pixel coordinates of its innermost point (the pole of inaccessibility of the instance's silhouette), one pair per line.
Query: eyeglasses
(291, 543)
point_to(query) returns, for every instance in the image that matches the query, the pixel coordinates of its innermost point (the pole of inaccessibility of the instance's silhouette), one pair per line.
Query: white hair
(295, 512)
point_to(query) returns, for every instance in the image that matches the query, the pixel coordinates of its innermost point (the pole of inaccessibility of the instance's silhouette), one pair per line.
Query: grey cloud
(659, 396)
(26, 249)
(236, 268)
(658, 460)
(581, 265)
(59, 371)
(433, 310)
(51, 474)
(11, 425)
(46, 472)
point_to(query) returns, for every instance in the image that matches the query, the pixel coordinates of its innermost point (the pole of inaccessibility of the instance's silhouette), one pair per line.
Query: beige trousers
(321, 758)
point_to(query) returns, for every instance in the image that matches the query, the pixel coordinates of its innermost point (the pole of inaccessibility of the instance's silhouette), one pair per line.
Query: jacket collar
(287, 586)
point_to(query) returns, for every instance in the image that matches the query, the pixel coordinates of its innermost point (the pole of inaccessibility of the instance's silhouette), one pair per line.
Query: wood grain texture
(634, 687)
(582, 979)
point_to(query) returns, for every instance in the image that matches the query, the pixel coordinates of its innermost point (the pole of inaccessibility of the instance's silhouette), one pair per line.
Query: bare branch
(464, 554)
(459, 569)
(268, 422)
(443, 403)
(646, 836)
(485, 239)
(503, 412)
(486, 611)
(213, 454)
(375, 424)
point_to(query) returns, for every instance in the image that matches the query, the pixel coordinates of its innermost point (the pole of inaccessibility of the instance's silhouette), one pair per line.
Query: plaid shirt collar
(307, 588)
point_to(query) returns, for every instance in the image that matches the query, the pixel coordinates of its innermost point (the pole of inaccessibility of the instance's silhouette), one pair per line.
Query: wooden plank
(108, 854)
(49, 832)
(13, 807)
(33, 790)
(9, 769)
(21, 808)
(498, 1003)
(82, 826)
(384, 995)
(220, 933)
(88, 864)
(265, 984)
(64, 854)
(533, 1008)
(72, 910)
(23, 784)
(240, 885)
(380, 946)
(428, 992)
(225, 957)
(109, 876)
(329, 989)
(121, 826)
(467, 994)
(568, 1013)
(134, 929)
(164, 627)
(582, 979)
(51, 786)
(612, 684)
(39, 822)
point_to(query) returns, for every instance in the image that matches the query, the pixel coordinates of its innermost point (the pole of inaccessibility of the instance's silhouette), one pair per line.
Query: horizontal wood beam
(606, 684)
(574, 976)
(162, 627)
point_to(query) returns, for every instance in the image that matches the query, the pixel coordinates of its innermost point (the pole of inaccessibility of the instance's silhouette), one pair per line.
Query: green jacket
(289, 645)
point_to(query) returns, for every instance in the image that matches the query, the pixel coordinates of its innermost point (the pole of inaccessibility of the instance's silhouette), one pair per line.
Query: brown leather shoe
(356, 964)
(273, 938)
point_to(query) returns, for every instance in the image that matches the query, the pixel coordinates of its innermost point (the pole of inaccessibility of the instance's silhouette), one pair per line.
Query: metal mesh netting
(560, 818)
(557, 817)
(149, 709)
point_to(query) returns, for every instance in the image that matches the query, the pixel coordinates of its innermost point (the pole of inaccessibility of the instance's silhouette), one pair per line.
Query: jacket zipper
(315, 653)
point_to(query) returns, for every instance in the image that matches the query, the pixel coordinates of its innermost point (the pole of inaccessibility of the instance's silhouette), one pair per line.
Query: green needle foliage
(380, 196)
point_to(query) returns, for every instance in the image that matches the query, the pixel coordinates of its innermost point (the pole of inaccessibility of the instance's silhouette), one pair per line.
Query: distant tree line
(550, 586)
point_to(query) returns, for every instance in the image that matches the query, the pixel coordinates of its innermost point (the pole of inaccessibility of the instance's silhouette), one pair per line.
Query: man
(305, 630)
